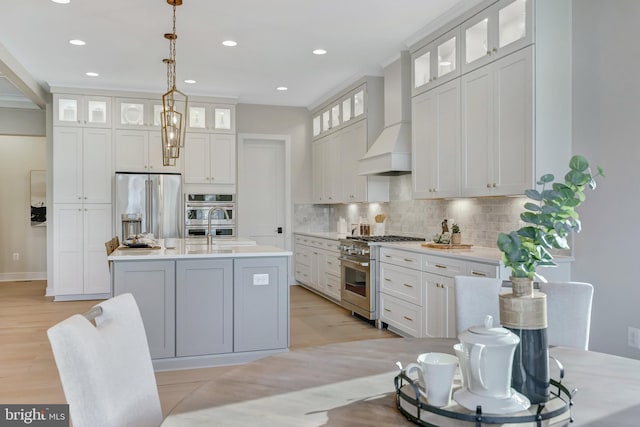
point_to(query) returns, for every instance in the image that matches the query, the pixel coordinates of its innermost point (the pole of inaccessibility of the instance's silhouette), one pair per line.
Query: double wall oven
(196, 215)
(358, 260)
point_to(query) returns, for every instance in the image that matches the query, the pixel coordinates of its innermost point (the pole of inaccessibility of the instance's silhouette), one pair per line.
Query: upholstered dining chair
(106, 369)
(568, 313)
(475, 298)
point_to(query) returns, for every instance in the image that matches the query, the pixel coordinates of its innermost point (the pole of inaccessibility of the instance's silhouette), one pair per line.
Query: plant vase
(456, 238)
(524, 312)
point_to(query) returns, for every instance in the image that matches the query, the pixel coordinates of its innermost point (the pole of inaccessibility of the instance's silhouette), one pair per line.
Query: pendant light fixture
(174, 103)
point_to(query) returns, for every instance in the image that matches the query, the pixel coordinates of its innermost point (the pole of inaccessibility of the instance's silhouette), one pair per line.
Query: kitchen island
(207, 305)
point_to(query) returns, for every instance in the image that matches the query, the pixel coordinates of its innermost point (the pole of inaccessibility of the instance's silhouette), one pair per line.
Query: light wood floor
(28, 373)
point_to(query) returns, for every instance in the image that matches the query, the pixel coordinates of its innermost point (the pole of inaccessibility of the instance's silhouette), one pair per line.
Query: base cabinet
(260, 304)
(441, 306)
(153, 285)
(208, 312)
(81, 270)
(204, 301)
(317, 265)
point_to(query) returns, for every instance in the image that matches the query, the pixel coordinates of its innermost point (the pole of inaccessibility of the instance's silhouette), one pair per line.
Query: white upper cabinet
(79, 110)
(132, 113)
(210, 159)
(436, 142)
(218, 118)
(497, 127)
(81, 165)
(436, 63)
(141, 151)
(495, 32)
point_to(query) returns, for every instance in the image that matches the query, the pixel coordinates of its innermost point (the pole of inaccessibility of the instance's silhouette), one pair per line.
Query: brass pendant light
(174, 103)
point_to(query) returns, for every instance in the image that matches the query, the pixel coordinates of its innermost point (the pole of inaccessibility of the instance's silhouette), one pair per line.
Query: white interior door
(263, 189)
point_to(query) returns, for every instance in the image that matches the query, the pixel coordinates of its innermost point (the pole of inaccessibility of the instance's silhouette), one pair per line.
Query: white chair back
(106, 369)
(568, 313)
(475, 298)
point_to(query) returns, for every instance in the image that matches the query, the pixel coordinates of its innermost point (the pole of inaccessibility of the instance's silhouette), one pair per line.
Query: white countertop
(475, 253)
(323, 234)
(196, 249)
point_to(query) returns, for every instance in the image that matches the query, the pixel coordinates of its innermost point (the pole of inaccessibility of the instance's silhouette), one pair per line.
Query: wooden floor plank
(28, 373)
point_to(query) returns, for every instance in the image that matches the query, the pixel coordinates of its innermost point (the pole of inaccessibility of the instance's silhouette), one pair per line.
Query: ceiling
(125, 44)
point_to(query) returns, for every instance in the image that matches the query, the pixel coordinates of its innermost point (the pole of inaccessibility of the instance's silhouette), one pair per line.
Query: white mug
(436, 371)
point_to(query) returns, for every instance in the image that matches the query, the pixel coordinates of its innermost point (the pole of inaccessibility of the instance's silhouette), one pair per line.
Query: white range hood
(390, 154)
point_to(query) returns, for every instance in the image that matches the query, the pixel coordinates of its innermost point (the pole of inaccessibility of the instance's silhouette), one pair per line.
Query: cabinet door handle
(477, 273)
(408, 318)
(386, 279)
(387, 310)
(408, 285)
(409, 260)
(440, 266)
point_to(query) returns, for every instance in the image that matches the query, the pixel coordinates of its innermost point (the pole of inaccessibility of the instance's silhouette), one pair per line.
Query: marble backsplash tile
(480, 219)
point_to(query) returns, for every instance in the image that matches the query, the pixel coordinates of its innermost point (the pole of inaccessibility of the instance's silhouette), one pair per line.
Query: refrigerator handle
(148, 207)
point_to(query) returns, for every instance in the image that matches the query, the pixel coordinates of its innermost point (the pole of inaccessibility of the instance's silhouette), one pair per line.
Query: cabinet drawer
(332, 245)
(333, 286)
(400, 258)
(443, 266)
(405, 316)
(303, 273)
(303, 240)
(303, 256)
(332, 263)
(478, 269)
(403, 283)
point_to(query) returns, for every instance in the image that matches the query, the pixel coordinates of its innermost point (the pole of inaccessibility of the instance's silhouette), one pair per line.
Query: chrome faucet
(213, 209)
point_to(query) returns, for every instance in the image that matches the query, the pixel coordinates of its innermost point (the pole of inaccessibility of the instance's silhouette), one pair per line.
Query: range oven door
(356, 287)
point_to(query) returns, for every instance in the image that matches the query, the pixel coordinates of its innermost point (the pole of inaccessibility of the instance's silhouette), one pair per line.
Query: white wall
(14, 121)
(606, 129)
(18, 156)
(292, 121)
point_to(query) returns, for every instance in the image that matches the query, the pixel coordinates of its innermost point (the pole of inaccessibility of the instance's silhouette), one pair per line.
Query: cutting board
(434, 245)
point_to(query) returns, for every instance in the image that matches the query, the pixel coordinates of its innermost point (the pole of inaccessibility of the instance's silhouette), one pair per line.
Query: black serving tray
(555, 412)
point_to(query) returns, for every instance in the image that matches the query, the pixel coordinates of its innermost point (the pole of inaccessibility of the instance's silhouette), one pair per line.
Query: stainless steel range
(359, 288)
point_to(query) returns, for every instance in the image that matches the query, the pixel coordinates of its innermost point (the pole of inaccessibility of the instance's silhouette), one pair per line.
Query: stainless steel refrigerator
(158, 197)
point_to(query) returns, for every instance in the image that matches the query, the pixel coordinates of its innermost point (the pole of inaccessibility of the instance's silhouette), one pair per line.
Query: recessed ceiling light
(189, 81)
(61, 1)
(230, 43)
(92, 74)
(77, 42)
(319, 52)
(282, 88)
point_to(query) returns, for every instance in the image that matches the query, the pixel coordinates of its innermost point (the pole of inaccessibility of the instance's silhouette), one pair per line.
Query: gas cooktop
(390, 238)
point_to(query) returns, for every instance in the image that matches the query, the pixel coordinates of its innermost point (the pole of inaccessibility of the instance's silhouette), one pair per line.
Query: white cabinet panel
(141, 151)
(81, 165)
(436, 142)
(497, 127)
(83, 111)
(80, 259)
(210, 159)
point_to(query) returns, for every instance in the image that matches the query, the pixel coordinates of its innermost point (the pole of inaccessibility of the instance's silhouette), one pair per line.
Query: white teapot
(487, 357)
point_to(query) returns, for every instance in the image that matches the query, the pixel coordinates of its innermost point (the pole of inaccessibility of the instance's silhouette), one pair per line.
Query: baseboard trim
(23, 276)
(212, 360)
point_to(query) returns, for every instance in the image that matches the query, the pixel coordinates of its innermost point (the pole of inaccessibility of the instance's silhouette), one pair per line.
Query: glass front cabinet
(132, 113)
(340, 113)
(79, 110)
(495, 32)
(218, 118)
(436, 63)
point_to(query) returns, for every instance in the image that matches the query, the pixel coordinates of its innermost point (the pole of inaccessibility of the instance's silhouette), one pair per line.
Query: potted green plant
(550, 217)
(456, 237)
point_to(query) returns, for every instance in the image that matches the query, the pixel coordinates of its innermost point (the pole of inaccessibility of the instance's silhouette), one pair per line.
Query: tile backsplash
(480, 219)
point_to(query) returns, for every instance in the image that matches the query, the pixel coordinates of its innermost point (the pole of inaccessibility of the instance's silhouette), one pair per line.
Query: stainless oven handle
(347, 260)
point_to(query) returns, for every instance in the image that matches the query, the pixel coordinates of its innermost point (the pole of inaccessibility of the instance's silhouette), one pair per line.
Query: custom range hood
(390, 154)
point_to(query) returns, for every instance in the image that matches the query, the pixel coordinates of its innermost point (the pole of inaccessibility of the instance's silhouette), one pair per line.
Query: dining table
(352, 384)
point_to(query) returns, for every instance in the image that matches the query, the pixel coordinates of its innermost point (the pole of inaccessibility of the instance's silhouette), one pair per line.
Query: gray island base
(207, 305)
